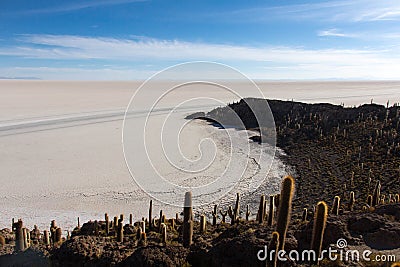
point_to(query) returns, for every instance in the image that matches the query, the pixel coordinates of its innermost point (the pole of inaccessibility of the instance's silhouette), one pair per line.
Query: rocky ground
(221, 245)
(334, 150)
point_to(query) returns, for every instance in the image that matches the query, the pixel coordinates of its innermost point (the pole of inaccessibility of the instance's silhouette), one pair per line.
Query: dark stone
(389, 209)
(383, 239)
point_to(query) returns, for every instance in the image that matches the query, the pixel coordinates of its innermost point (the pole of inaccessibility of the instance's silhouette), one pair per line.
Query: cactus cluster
(279, 216)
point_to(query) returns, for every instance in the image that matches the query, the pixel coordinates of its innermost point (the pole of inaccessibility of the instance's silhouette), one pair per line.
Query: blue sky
(128, 39)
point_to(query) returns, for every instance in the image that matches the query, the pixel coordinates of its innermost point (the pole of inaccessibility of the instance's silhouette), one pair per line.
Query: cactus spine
(187, 220)
(319, 227)
(336, 205)
(285, 208)
(271, 211)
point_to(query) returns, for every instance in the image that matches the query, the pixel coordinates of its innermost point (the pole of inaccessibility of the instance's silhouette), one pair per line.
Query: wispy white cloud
(81, 47)
(387, 14)
(384, 38)
(77, 6)
(336, 33)
(281, 62)
(338, 10)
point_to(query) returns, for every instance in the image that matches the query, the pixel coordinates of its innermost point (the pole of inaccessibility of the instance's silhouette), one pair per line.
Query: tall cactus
(19, 235)
(187, 220)
(164, 234)
(237, 208)
(352, 201)
(96, 228)
(25, 234)
(120, 231)
(285, 208)
(377, 194)
(46, 238)
(336, 205)
(138, 233)
(276, 200)
(151, 215)
(172, 223)
(53, 228)
(248, 212)
(115, 224)
(265, 210)
(231, 215)
(370, 200)
(214, 215)
(304, 215)
(223, 214)
(319, 228)
(273, 246)
(261, 209)
(143, 226)
(203, 223)
(107, 224)
(271, 211)
(58, 236)
(143, 239)
(160, 221)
